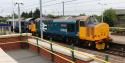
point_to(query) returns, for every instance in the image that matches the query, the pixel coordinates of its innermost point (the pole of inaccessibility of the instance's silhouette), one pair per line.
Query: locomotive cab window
(70, 27)
(82, 23)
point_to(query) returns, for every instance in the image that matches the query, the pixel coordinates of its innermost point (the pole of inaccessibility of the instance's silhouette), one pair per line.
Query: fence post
(2, 29)
(27, 40)
(38, 50)
(51, 46)
(27, 37)
(73, 57)
(106, 57)
(21, 44)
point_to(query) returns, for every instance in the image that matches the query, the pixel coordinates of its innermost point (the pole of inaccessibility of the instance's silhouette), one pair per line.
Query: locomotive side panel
(61, 28)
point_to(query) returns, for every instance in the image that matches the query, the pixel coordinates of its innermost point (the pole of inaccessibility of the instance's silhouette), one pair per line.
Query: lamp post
(41, 25)
(13, 15)
(102, 10)
(63, 8)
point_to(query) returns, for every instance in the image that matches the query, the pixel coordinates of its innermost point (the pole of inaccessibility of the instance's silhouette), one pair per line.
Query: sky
(75, 7)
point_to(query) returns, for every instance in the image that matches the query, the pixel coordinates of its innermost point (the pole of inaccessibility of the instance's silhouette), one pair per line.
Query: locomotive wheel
(107, 45)
(68, 41)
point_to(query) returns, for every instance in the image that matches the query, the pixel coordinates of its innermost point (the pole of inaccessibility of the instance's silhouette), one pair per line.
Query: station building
(120, 17)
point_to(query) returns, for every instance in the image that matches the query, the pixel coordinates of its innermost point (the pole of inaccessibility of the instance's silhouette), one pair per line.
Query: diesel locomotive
(83, 31)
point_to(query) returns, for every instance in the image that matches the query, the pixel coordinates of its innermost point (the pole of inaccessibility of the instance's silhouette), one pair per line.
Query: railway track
(116, 49)
(116, 52)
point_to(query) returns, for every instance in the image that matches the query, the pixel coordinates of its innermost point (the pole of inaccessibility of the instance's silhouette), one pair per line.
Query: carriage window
(63, 25)
(70, 27)
(82, 23)
(22, 23)
(10, 23)
(91, 21)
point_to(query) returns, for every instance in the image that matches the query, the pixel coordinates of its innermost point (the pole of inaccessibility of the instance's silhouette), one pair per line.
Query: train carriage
(16, 25)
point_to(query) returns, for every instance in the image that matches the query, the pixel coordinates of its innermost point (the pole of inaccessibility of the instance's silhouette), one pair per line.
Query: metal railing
(51, 50)
(71, 49)
(5, 29)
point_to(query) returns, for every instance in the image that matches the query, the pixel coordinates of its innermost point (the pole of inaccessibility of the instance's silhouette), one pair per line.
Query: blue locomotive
(60, 29)
(84, 31)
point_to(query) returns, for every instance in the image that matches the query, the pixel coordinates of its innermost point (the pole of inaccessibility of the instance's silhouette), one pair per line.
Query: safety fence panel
(5, 29)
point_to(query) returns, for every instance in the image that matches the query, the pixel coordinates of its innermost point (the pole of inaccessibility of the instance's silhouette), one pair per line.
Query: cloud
(75, 7)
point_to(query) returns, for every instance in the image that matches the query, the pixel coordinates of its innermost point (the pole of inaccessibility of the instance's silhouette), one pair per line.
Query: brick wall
(42, 52)
(57, 59)
(10, 45)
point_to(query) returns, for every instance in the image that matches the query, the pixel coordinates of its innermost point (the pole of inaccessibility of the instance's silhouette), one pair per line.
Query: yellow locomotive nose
(96, 33)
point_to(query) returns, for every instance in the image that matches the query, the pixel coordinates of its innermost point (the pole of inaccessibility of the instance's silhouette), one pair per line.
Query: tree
(15, 16)
(98, 17)
(82, 14)
(36, 13)
(30, 15)
(110, 17)
(50, 16)
(2, 19)
(23, 15)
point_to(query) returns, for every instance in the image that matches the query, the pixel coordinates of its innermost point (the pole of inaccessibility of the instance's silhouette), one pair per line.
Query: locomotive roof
(15, 20)
(64, 20)
(82, 18)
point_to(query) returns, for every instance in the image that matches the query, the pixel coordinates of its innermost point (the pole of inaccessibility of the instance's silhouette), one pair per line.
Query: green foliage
(23, 15)
(30, 14)
(15, 15)
(110, 17)
(36, 13)
(50, 16)
(3, 19)
(82, 14)
(99, 18)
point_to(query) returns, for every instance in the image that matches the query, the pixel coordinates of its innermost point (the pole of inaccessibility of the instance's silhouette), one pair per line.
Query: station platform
(27, 56)
(5, 58)
(118, 39)
(25, 47)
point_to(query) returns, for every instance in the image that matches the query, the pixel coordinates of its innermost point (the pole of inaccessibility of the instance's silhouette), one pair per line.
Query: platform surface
(5, 58)
(26, 56)
(118, 39)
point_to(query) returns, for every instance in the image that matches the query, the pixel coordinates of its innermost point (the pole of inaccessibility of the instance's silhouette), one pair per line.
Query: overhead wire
(67, 3)
(38, 3)
(54, 4)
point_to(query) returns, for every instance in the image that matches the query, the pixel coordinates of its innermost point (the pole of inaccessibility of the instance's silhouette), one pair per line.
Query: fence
(73, 55)
(5, 29)
(16, 41)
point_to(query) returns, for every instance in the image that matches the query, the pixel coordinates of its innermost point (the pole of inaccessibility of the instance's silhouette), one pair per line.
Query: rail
(117, 28)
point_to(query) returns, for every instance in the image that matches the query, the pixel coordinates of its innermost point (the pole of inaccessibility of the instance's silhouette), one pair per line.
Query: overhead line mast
(19, 16)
